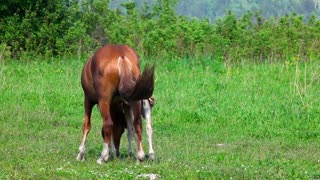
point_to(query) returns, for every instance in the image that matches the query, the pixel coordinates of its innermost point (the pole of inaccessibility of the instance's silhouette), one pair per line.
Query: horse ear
(151, 101)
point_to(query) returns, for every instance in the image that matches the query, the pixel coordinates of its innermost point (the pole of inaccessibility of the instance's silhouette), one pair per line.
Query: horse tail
(130, 88)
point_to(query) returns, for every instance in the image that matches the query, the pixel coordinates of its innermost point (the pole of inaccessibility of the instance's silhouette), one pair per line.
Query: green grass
(259, 121)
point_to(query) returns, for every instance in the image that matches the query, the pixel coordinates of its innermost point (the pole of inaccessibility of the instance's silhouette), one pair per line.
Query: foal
(114, 72)
(119, 115)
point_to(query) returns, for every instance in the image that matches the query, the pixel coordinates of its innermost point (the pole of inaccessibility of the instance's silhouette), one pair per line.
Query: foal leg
(137, 124)
(106, 129)
(85, 128)
(129, 121)
(118, 130)
(112, 146)
(147, 115)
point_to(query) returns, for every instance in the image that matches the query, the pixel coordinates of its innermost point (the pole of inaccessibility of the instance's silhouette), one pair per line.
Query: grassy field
(210, 121)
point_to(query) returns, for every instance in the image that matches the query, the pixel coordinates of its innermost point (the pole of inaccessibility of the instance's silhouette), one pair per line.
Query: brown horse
(114, 72)
(118, 115)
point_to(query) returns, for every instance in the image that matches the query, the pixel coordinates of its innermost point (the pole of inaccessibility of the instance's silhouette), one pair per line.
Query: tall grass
(211, 121)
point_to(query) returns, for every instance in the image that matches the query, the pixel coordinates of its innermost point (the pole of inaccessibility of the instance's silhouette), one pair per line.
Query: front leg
(129, 122)
(137, 126)
(146, 113)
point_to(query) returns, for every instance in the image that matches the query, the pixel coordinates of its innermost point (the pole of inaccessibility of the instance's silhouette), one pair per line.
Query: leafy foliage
(79, 27)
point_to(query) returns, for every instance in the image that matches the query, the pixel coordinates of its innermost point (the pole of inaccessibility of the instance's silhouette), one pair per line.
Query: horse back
(101, 73)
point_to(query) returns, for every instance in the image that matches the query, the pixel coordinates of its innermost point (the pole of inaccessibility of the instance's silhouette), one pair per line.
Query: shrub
(78, 28)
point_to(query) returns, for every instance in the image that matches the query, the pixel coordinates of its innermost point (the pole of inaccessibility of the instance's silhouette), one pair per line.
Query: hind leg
(104, 105)
(85, 128)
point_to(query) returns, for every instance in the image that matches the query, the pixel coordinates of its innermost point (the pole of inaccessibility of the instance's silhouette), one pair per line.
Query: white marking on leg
(80, 156)
(82, 148)
(149, 133)
(140, 152)
(104, 154)
(147, 115)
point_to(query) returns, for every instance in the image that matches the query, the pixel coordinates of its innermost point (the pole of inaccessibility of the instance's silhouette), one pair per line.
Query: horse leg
(112, 146)
(85, 128)
(117, 132)
(129, 121)
(104, 105)
(137, 124)
(147, 115)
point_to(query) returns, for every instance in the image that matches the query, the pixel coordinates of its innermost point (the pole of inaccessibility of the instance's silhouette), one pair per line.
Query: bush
(74, 28)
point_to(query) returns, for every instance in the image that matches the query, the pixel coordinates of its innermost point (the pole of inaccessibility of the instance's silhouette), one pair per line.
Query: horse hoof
(140, 156)
(100, 161)
(140, 159)
(80, 157)
(151, 156)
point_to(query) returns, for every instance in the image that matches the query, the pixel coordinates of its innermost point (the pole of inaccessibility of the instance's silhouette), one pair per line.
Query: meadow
(211, 121)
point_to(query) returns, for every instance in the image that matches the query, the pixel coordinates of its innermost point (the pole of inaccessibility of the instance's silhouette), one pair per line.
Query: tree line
(70, 28)
(213, 9)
